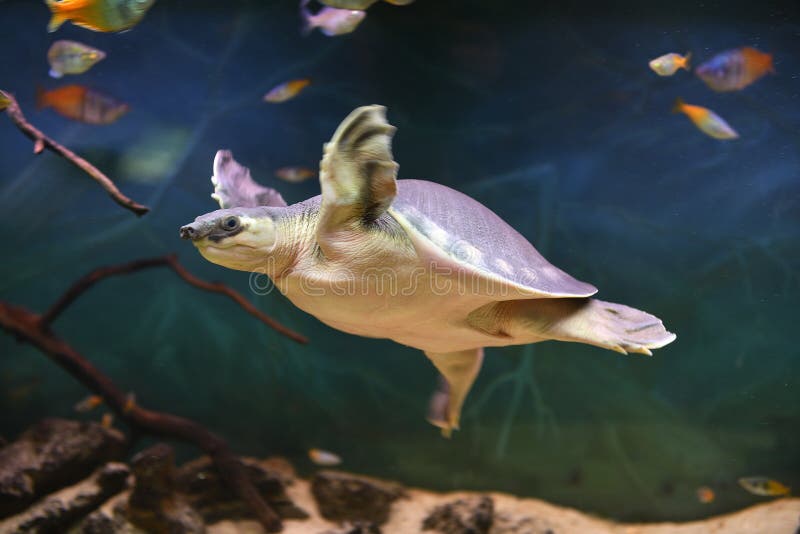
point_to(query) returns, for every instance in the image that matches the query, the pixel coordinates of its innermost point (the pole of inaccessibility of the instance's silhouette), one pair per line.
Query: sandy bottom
(781, 516)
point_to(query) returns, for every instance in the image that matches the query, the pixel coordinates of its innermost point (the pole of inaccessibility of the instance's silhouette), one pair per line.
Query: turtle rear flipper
(235, 188)
(604, 324)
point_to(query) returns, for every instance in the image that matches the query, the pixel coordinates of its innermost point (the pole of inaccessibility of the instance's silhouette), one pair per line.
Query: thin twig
(83, 284)
(41, 141)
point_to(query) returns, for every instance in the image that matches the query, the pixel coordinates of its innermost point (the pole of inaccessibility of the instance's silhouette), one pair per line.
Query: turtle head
(238, 238)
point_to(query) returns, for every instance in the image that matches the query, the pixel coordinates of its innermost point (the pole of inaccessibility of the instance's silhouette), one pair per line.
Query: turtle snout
(190, 231)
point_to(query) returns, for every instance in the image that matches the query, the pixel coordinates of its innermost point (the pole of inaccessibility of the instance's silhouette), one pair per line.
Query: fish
(88, 404)
(130, 403)
(361, 4)
(294, 174)
(668, 64)
(98, 15)
(706, 120)
(705, 495)
(155, 156)
(735, 69)
(286, 91)
(4, 101)
(763, 486)
(107, 420)
(321, 457)
(330, 20)
(72, 57)
(82, 104)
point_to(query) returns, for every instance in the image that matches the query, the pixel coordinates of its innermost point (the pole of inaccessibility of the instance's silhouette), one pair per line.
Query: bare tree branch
(170, 261)
(35, 329)
(41, 141)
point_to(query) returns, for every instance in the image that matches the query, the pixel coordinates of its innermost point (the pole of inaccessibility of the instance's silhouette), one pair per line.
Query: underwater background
(544, 111)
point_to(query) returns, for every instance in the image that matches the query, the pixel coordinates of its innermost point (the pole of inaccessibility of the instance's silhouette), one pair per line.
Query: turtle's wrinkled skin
(408, 260)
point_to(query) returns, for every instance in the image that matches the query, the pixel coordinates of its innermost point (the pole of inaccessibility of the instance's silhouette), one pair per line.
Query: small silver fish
(72, 57)
(321, 457)
(329, 20)
(668, 64)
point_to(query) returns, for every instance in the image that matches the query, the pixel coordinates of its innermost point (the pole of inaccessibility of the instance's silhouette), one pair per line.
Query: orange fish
(98, 15)
(130, 403)
(705, 495)
(733, 70)
(286, 91)
(89, 403)
(706, 120)
(82, 104)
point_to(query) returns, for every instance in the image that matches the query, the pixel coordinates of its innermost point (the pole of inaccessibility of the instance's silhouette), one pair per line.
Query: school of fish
(731, 70)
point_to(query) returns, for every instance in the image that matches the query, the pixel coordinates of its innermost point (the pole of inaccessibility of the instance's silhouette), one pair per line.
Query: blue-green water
(547, 114)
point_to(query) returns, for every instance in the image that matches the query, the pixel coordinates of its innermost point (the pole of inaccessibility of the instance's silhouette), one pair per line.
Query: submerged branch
(83, 284)
(32, 328)
(41, 141)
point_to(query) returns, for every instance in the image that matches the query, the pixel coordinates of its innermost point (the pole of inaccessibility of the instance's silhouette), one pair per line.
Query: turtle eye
(230, 223)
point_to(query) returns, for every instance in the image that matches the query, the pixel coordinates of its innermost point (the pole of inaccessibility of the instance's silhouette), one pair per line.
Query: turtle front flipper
(357, 173)
(235, 188)
(459, 370)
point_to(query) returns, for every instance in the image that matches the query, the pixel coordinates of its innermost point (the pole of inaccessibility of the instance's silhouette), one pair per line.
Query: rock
(50, 455)
(346, 497)
(110, 518)
(279, 466)
(199, 481)
(509, 524)
(154, 504)
(472, 515)
(359, 527)
(57, 511)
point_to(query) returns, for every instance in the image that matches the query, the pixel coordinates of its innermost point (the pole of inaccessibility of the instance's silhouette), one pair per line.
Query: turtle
(409, 260)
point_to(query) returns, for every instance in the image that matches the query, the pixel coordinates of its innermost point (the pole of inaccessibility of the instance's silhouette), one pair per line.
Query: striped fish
(98, 15)
(82, 104)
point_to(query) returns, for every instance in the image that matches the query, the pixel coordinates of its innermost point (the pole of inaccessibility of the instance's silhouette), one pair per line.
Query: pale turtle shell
(455, 229)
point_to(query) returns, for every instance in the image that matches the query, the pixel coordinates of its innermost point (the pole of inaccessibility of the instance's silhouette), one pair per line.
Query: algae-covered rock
(200, 483)
(472, 515)
(154, 505)
(346, 497)
(50, 455)
(58, 511)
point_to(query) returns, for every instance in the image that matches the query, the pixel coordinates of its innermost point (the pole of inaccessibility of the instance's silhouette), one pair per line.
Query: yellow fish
(107, 420)
(98, 15)
(763, 486)
(320, 457)
(668, 64)
(286, 91)
(706, 120)
(72, 57)
(4, 101)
